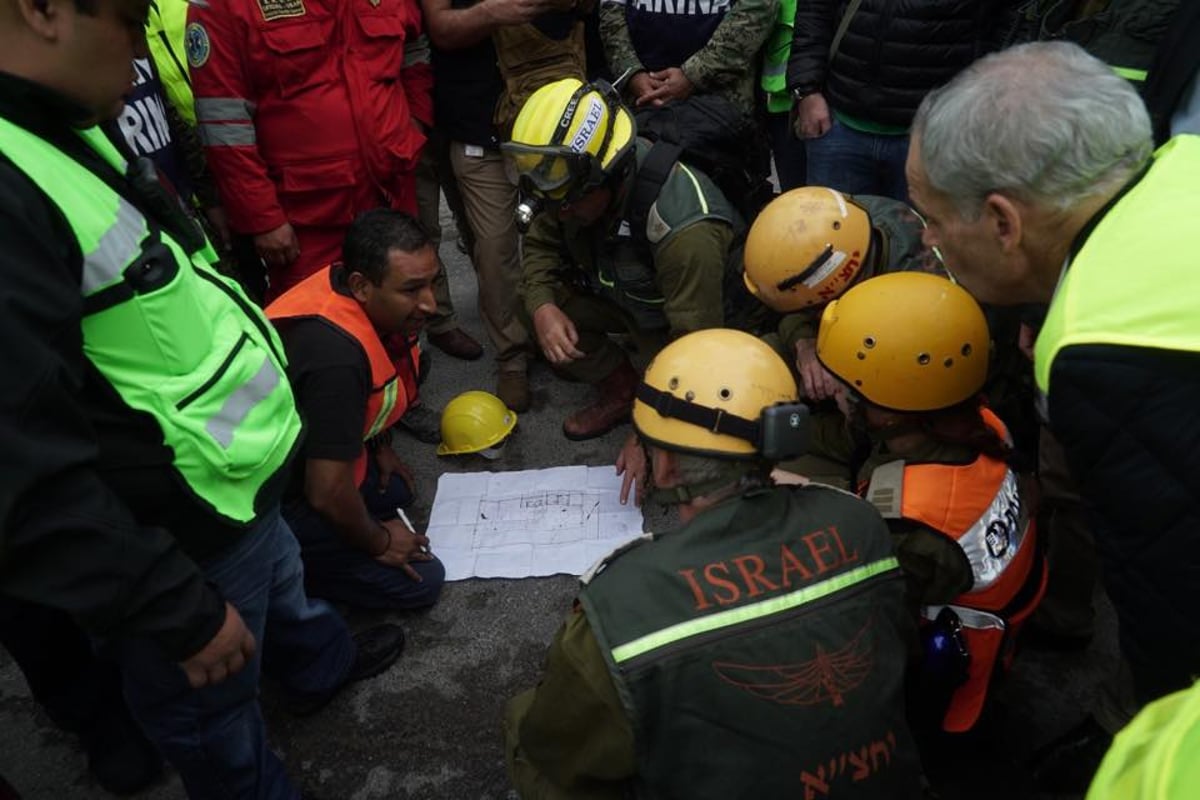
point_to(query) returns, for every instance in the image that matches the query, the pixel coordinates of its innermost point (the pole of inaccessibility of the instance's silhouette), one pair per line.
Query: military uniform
(606, 280)
(777, 648)
(933, 565)
(712, 43)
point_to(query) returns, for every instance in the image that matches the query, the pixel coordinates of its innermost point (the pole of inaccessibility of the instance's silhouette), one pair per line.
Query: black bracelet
(387, 546)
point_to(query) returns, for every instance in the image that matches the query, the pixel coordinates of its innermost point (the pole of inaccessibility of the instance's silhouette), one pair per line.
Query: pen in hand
(404, 518)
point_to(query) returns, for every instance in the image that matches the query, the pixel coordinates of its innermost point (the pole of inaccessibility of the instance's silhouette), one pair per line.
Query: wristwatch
(799, 94)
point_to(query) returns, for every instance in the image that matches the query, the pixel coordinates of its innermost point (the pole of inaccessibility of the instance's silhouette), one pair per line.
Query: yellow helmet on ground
(906, 341)
(805, 248)
(706, 393)
(475, 422)
(568, 139)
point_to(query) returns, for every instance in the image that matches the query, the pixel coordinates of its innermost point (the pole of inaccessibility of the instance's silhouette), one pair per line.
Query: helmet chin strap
(684, 494)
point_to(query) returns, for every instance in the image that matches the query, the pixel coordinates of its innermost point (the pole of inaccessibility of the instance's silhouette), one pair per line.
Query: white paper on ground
(531, 522)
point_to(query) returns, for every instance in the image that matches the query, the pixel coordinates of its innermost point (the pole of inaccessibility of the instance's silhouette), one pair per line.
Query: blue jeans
(336, 571)
(215, 736)
(855, 162)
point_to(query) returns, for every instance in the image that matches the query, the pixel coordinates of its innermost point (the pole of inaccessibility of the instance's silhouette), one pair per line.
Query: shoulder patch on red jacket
(197, 45)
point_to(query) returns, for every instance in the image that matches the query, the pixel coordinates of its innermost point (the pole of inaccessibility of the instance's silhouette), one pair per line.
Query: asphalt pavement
(430, 727)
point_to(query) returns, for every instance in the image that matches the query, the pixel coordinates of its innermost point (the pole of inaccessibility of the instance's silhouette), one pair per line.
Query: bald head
(1044, 123)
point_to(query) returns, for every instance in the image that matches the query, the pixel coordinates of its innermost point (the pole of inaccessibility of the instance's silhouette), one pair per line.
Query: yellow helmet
(706, 392)
(805, 248)
(569, 138)
(474, 422)
(906, 341)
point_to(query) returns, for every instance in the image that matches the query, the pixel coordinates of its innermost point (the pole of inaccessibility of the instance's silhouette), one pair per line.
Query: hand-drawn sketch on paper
(532, 522)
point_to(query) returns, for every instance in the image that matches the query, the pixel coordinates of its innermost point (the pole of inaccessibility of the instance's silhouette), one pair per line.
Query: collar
(38, 108)
(1086, 231)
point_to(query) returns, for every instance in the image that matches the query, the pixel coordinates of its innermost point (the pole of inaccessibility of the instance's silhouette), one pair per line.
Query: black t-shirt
(331, 378)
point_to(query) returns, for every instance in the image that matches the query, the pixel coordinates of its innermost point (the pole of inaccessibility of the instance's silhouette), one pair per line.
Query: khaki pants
(428, 209)
(489, 201)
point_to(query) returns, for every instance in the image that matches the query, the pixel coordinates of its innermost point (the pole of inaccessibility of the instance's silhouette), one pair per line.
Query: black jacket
(1175, 66)
(1129, 420)
(893, 53)
(85, 500)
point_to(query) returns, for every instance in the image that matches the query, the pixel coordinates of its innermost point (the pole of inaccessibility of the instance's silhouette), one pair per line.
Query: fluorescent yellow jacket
(1134, 282)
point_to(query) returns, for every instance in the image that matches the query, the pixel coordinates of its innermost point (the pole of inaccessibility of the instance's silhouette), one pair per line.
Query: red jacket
(306, 107)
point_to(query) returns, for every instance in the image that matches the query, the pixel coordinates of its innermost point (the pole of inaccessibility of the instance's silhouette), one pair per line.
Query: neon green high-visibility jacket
(1136, 244)
(165, 28)
(175, 339)
(776, 53)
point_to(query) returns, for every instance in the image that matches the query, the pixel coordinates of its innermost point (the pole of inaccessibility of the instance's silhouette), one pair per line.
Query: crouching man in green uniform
(756, 651)
(589, 267)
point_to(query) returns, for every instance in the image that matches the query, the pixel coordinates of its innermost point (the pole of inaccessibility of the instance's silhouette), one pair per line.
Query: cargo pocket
(319, 193)
(381, 54)
(300, 57)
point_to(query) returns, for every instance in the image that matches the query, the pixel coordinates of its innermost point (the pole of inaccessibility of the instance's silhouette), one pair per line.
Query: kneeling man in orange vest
(340, 328)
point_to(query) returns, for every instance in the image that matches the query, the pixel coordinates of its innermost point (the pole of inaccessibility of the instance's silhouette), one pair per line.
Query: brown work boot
(457, 343)
(512, 387)
(611, 409)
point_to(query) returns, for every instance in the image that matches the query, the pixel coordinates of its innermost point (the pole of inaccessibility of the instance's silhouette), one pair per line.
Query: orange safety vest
(393, 378)
(979, 506)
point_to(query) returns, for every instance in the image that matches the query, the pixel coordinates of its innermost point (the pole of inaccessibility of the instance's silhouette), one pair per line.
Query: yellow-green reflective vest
(1157, 756)
(175, 339)
(776, 53)
(1135, 280)
(165, 34)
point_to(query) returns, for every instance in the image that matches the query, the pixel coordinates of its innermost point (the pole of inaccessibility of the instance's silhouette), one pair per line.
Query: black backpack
(707, 132)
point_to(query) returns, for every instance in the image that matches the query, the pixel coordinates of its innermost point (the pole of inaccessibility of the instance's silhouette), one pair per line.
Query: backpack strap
(648, 181)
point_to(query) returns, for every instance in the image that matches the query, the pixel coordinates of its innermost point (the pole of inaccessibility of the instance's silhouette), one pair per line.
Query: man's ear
(42, 16)
(663, 467)
(1004, 218)
(359, 285)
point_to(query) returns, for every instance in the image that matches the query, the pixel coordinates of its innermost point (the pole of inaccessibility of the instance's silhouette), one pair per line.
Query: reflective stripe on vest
(173, 338)
(751, 611)
(1153, 224)
(390, 396)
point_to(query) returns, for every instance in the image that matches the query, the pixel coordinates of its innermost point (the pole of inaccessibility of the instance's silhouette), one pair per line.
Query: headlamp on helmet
(722, 394)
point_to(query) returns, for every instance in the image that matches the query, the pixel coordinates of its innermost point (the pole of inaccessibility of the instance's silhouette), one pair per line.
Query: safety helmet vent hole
(724, 393)
(869, 342)
(858, 383)
(966, 349)
(673, 383)
(923, 359)
(689, 395)
(862, 356)
(837, 225)
(949, 362)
